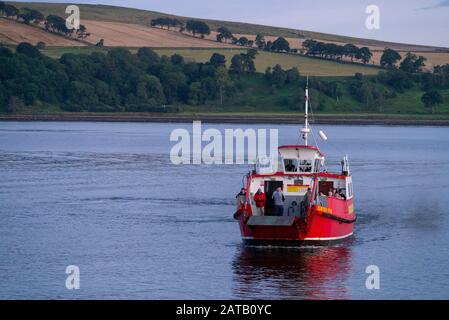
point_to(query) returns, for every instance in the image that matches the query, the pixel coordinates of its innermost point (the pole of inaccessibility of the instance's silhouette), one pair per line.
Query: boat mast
(306, 129)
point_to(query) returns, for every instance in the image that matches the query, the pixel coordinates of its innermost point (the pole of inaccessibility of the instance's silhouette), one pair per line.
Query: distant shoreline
(242, 118)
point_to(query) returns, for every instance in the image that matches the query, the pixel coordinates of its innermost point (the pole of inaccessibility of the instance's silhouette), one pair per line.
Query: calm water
(105, 197)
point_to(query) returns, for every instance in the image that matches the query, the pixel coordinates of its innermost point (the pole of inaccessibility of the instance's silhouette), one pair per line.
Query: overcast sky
(409, 21)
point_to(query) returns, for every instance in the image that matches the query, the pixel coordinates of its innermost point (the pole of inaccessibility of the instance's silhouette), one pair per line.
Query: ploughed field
(121, 34)
(12, 32)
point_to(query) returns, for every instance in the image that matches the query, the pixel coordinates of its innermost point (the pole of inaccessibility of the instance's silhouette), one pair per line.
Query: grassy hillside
(257, 96)
(130, 15)
(306, 65)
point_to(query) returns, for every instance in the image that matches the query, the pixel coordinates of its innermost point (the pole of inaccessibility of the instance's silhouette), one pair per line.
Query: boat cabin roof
(294, 159)
(294, 149)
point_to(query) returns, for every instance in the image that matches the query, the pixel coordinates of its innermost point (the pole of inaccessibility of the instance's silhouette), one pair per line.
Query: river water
(106, 198)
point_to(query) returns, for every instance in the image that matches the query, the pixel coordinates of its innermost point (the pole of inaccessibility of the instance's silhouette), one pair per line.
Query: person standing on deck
(259, 199)
(306, 202)
(307, 198)
(240, 198)
(278, 197)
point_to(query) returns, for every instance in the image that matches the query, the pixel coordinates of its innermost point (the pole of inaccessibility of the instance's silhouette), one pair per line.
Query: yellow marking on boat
(351, 209)
(324, 209)
(296, 188)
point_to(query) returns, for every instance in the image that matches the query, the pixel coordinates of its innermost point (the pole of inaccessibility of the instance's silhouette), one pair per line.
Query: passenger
(260, 199)
(289, 167)
(306, 202)
(307, 198)
(278, 197)
(322, 200)
(240, 198)
(330, 192)
(335, 193)
(341, 194)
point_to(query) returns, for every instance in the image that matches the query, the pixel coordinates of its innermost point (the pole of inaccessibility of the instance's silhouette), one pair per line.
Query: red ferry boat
(317, 206)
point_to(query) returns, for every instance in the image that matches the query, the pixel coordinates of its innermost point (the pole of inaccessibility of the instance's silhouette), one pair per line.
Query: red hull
(322, 225)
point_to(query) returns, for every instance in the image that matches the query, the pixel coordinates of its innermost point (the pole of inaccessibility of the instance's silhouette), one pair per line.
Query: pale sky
(407, 21)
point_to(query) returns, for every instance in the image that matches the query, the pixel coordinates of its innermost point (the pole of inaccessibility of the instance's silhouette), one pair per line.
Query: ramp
(271, 221)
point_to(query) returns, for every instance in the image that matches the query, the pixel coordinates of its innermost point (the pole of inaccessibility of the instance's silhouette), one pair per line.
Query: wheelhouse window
(305, 166)
(291, 165)
(317, 165)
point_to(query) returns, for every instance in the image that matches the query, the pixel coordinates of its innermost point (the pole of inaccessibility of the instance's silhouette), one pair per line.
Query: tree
(148, 55)
(389, 58)
(278, 76)
(252, 53)
(431, 99)
(412, 63)
(218, 60)
(292, 75)
(440, 76)
(5, 52)
(223, 81)
(154, 88)
(396, 79)
(41, 45)
(244, 62)
(363, 91)
(336, 90)
(260, 41)
(100, 44)
(337, 52)
(31, 15)
(166, 22)
(365, 54)
(248, 61)
(82, 32)
(197, 27)
(28, 50)
(280, 44)
(350, 50)
(177, 59)
(161, 22)
(15, 104)
(309, 43)
(56, 24)
(196, 94)
(81, 96)
(10, 11)
(268, 46)
(177, 24)
(243, 41)
(224, 34)
(237, 64)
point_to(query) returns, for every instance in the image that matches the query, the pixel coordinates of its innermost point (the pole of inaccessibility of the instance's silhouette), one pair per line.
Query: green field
(306, 65)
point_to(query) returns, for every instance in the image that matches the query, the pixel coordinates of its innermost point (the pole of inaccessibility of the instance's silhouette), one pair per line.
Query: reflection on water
(307, 273)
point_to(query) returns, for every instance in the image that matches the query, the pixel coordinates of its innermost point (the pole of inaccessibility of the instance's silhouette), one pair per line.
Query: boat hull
(321, 226)
(296, 243)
